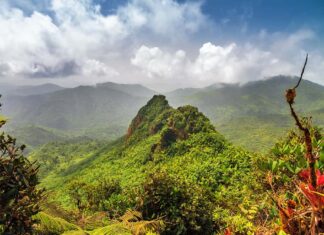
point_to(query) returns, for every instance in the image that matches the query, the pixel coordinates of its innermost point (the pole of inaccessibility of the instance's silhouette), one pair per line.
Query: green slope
(105, 110)
(255, 112)
(180, 142)
(34, 136)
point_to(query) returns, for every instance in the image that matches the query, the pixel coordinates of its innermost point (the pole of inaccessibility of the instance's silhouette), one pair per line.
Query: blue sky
(163, 44)
(256, 15)
(272, 15)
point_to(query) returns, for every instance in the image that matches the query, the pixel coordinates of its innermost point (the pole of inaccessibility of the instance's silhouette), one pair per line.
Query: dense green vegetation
(172, 166)
(19, 197)
(256, 109)
(172, 172)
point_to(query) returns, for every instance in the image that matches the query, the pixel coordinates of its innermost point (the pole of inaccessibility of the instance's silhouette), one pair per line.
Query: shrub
(185, 208)
(50, 225)
(19, 197)
(92, 196)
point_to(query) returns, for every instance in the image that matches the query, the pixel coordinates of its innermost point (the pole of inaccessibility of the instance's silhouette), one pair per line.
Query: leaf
(288, 166)
(281, 232)
(274, 166)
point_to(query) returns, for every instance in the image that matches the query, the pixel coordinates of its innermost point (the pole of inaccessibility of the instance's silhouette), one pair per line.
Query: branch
(302, 72)
(290, 97)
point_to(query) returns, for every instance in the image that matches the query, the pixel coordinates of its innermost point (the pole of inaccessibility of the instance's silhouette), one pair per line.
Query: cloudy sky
(163, 44)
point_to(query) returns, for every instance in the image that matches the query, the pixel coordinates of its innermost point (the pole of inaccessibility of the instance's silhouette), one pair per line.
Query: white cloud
(231, 63)
(95, 67)
(166, 18)
(77, 39)
(155, 62)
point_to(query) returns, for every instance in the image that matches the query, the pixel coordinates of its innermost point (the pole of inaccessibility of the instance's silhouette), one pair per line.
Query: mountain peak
(154, 107)
(172, 124)
(159, 100)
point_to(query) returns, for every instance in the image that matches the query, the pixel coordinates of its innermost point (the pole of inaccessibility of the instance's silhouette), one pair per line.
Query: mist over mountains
(256, 110)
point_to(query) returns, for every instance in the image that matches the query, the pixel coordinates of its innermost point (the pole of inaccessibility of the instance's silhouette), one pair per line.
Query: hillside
(29, 90)
(254, 98)
(256, 109)
(34, 136)
(179, 150)
(74, 109)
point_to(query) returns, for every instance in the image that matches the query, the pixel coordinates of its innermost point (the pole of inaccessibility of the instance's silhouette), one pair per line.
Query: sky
(162, 44)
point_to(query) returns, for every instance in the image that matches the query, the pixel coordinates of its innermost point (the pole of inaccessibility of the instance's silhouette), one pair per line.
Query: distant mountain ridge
(29, 90)
(260, 106)
(131, 89)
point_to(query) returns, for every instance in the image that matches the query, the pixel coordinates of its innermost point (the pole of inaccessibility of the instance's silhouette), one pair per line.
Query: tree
(19, 197)
(184, 207)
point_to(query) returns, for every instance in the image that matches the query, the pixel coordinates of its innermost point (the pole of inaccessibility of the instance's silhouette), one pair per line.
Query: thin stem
(308, 140)
(302, 72)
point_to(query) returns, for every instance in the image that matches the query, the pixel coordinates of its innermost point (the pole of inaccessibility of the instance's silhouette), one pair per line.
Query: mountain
(256, 109)
(33, 136)
(29, 90)
(254, 98)
(131, 89)
(170, 163)
(74, 109)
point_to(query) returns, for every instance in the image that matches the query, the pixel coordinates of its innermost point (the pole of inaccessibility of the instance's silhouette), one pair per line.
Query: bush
(19, 198)
(185, 208)
(92, 197)
(49, 225)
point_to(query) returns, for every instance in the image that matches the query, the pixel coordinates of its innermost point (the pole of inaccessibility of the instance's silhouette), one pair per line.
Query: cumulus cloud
(166, 18)
(76, 39)
(231, 63)
(155, 62)
(139, 42)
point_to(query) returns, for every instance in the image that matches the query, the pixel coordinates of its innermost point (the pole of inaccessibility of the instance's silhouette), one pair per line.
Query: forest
(161, 117)
(171, 172)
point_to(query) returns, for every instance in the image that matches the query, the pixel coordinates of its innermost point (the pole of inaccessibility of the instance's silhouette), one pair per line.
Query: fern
(53, 225)
(133, 220)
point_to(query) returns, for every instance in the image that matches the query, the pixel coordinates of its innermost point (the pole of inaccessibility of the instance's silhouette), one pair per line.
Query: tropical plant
(303, 211)
(19, 197)
(185, 208)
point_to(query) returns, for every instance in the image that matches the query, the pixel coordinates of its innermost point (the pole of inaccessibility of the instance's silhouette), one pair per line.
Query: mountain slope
(256, 109)
(74, 109)
(131, 89)
(254, 98)
(179, 143)
(29, 90)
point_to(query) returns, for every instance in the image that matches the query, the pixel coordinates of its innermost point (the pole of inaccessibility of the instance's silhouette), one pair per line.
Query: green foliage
(75, 233)
(134, 221)
(50, 225)
(92, 196)
(140, 126)
(256, 110)
(19, 198)
(59, 156)
(185, 208)
(253, 115)
(35, 136)
(287, 157)
(117, 229)
(196, 172)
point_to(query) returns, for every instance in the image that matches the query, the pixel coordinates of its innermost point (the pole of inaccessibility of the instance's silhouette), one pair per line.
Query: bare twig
(290, 97)
(302, 72)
